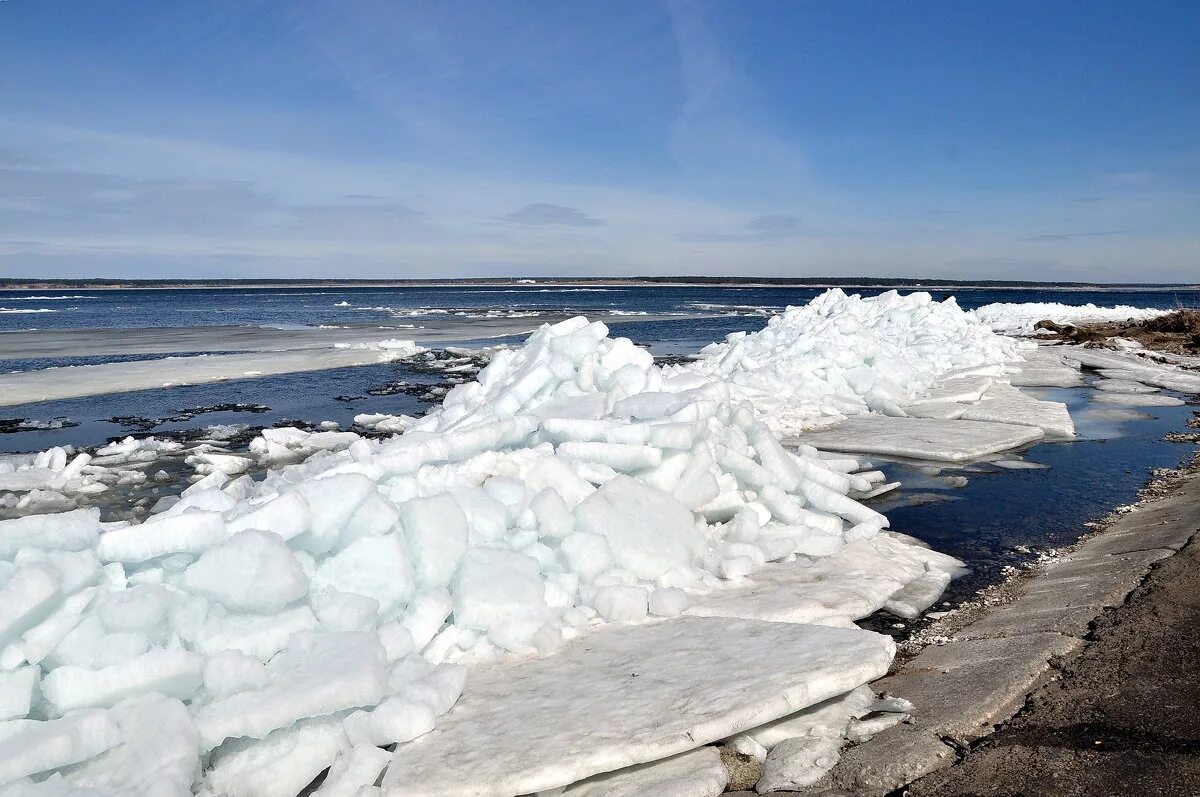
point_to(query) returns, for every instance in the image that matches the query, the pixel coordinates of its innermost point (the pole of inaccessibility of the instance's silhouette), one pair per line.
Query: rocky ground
(1177, 332)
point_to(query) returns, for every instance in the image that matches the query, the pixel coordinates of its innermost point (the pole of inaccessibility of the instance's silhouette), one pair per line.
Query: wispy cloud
(770, 227)
(719, 127)
(1067, 236)
(60, 212)
(544, 214)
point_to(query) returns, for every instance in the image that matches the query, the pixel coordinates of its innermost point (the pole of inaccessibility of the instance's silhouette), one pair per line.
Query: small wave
(44, 298)
(15, 311)
(403, 312)
(305, 293)
(737, 309)
(459, 312)
(557, 290)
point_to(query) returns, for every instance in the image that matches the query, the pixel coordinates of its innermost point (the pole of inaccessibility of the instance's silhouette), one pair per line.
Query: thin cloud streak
(770, 227)
(544, 214)
(1068, 236)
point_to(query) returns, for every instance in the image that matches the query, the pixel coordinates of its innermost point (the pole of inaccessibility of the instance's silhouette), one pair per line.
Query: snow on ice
(574, 497)
(1019, 318)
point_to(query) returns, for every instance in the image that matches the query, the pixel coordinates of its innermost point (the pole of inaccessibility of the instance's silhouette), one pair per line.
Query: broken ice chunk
(175, 673)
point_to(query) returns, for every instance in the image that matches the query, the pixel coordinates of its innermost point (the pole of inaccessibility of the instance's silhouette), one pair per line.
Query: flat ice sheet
(51, 384)
(1137, 399)
(1123, 386)
(943, 410)
(963, 388)
(1126, 365)
(267, 352)
(698, 773)
(628, 695)
(920, 438)
(856, 581)
(1047, 376)
(1045, 367)
(851, 584)
(1007, 404)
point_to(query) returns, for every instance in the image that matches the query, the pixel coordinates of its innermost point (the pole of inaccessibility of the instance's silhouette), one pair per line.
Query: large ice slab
(853, 583)
(1045, 367)
(627, 695)
(920, 438)
(1046, 376)
(157, 757)
(1137, 399)
(1007, 404)
(697, 773)
(1126, 365)
(963, 388)
(28, 747)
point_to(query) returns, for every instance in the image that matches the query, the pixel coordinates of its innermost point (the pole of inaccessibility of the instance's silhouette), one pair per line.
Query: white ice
(663, 689)
(569, 499)
(921, 438)
(1019, 318)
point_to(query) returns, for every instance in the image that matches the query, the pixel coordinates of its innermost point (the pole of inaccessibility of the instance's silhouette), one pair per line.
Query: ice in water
(574, 495)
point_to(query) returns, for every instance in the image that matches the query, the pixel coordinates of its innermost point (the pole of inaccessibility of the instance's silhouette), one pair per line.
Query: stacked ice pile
(54, 469)
(54, 480)
(254, 632)
(1019, 318)
(844, 355)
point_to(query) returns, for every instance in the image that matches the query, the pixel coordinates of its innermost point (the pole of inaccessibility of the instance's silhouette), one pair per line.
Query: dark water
(1002, 515)
(308, 397)
(292, 307)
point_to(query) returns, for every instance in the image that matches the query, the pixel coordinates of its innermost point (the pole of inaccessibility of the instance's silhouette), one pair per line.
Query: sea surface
(290, 308)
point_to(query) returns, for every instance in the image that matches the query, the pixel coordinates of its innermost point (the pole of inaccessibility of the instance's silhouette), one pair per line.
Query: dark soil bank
(1177, 332)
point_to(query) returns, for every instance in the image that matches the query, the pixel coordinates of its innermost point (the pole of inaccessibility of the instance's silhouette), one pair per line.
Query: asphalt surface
(1123, 718)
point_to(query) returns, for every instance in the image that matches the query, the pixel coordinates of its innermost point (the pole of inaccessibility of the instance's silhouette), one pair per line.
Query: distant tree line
(858, 282)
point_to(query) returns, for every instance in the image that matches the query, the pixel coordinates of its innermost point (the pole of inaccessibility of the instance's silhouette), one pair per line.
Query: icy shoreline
(258, 352)
(573, 482)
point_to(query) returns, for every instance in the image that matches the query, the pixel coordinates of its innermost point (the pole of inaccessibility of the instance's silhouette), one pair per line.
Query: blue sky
(377, 138)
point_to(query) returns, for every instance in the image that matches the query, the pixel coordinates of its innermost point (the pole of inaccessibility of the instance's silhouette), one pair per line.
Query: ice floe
(1135, 367)
(662, 690)
(922, 438)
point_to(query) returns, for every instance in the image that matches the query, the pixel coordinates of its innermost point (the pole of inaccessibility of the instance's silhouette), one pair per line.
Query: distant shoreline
(18, 284)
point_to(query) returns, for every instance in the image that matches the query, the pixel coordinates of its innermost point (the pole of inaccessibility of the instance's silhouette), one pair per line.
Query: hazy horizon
(362, 139)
